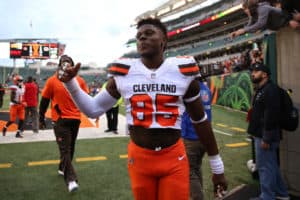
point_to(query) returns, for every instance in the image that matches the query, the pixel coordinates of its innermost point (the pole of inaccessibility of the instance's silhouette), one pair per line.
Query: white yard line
(222, 132)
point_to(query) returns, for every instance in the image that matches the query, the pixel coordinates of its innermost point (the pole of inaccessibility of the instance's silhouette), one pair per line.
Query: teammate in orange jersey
(155, 91)
(17, 106)
(66, 121)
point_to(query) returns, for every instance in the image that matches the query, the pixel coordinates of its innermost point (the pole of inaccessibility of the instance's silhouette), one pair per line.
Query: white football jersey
(19, 93)
(154, 98)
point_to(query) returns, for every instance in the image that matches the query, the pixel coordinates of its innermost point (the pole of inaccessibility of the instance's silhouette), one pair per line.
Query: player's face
(150, 41)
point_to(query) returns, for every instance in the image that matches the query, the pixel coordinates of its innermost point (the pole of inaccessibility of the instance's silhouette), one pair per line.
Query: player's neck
(152, 63)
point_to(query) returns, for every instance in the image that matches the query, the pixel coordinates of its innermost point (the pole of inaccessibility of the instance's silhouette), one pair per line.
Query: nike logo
(181, 157)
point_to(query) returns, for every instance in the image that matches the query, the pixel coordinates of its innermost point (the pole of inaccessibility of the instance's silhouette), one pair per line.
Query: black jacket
(264, 119)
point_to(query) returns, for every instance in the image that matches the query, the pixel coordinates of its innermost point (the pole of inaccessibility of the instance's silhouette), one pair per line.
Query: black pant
(112, 118)
(66, 131)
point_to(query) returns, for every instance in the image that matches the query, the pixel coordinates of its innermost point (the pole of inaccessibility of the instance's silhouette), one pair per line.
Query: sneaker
(72, 186)
(108, 130)
(251, 166)
(282, 198)
(61, 173)
(4, 131)
(18, 135)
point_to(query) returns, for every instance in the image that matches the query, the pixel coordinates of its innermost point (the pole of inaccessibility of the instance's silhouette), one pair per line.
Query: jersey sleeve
(119, 67)
(188, 66)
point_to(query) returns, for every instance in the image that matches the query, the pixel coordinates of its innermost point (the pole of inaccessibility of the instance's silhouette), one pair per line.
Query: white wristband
(189, 100)
(216, 164)
(201, 120)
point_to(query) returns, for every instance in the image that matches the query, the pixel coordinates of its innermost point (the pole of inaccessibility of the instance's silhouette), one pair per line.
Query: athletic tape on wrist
(191, 99)
(216, 164)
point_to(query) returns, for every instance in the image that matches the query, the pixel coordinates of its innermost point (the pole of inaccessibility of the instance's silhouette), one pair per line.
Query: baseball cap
(260, 67)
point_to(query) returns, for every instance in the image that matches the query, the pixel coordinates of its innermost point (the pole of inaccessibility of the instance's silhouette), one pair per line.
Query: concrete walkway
(84, 133)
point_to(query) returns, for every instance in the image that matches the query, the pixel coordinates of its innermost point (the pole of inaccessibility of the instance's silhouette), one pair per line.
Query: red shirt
(31, 94)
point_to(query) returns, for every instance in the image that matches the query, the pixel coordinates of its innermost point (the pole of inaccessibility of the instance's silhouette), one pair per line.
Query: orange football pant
(16, 110)
(159, 175)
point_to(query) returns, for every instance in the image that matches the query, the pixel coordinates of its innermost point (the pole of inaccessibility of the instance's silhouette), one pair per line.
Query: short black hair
(155, 22)
(29, 79)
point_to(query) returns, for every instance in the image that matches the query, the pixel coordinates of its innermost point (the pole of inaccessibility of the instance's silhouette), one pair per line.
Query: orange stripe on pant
(159, 175)
(16, 110)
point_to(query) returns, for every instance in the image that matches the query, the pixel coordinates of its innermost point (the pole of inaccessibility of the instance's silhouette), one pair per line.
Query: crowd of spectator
(233, 63)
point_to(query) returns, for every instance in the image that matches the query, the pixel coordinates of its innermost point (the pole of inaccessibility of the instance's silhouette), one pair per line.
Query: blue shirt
(187, 129)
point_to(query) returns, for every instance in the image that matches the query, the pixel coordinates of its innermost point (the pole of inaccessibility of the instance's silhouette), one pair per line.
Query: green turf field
(108, 179)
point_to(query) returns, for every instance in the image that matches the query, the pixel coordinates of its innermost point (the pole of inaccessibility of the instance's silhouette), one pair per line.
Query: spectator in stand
(256, 55)
(2, 92)
(262, 15)
(194, 148)
(227, 66)
(17, 106)
(291, 8)
(31, 99)
(66, 124)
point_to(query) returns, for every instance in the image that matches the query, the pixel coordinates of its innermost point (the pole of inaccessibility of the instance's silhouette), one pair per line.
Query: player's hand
(66, 72)
(220, 185)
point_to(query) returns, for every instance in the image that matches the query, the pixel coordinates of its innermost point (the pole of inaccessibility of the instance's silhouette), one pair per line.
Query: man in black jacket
(264, 127)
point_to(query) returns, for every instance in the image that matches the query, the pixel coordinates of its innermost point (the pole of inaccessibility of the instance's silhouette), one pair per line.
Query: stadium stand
(204, 34)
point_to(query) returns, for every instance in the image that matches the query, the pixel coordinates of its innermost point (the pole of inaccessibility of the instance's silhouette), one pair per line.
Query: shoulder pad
(12, 87)
(188, 66)
(118, 68)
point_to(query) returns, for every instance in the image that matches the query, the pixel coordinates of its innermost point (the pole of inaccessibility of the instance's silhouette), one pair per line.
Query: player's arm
(44, 103)
(199, 119)
(204, 130)
(93, 106)
(13, 96)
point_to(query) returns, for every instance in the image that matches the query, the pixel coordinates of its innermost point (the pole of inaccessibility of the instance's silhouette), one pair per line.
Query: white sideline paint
(222, 132)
